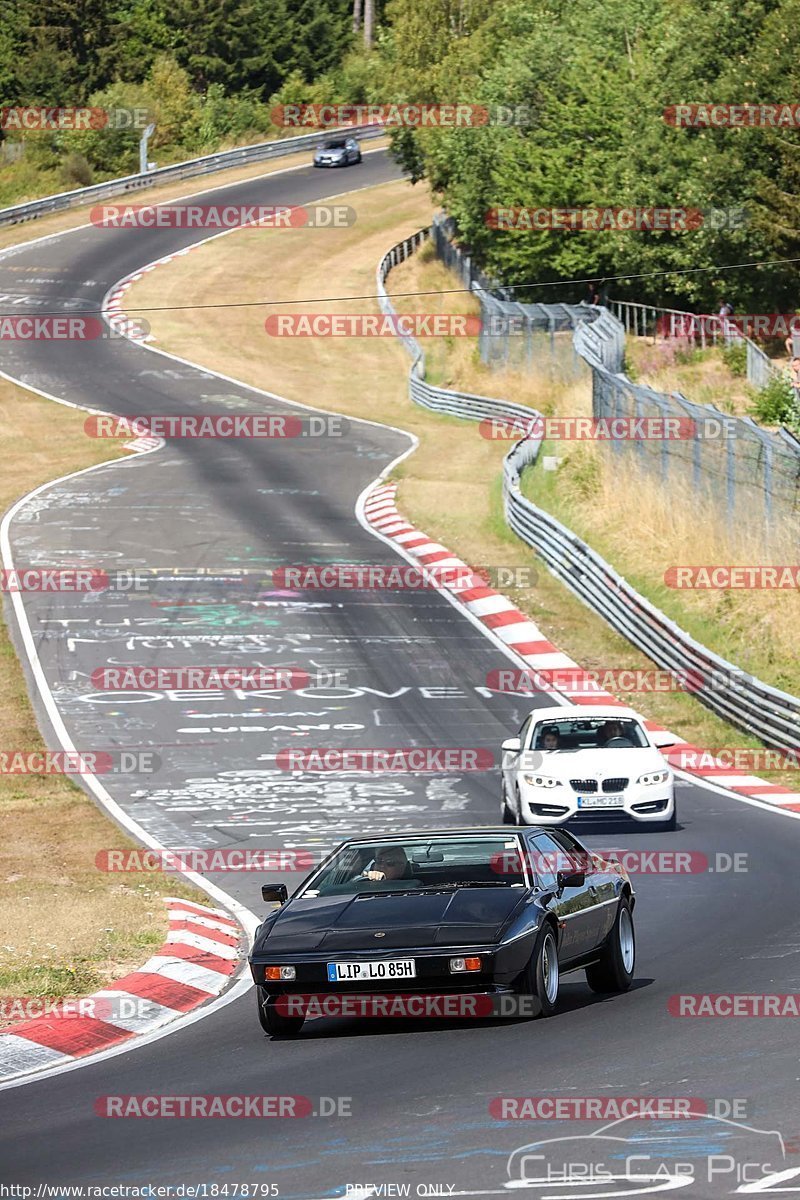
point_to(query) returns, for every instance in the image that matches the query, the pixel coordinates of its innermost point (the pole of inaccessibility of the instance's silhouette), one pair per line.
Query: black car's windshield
(404, 864)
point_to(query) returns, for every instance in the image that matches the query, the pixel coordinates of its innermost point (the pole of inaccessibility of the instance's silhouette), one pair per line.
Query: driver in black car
(390, 862)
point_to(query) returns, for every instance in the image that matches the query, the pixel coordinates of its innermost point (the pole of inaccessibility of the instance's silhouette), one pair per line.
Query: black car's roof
(462, 831)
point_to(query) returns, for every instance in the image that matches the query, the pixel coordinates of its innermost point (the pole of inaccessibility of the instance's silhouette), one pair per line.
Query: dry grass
(67, 927)
(756, 629)
(704, 378)
(451, 486)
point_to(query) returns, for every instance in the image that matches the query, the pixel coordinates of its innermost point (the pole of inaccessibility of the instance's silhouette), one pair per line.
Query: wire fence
(751, 472)
(738, 697)
(702, 329)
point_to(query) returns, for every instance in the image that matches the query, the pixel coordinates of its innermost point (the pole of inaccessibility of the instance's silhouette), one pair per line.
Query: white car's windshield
(588, 733)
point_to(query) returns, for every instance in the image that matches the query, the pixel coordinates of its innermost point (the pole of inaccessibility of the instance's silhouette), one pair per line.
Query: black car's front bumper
(500, 968)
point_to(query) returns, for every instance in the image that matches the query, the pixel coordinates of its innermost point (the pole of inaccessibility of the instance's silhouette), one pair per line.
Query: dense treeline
(594, 79)
(204, 70)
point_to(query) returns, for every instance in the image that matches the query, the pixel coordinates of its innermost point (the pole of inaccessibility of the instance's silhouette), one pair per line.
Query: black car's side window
(547, 859)
(576, 854)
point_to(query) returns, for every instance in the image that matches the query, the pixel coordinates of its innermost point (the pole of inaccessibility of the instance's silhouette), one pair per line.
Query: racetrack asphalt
(415, 671)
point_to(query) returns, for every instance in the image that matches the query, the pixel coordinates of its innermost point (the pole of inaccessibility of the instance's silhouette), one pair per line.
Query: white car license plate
(600, 801)
(392, 968)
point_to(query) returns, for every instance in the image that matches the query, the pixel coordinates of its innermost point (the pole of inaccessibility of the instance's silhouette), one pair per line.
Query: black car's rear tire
(614, 971)
(540, 978)
(272, 1021)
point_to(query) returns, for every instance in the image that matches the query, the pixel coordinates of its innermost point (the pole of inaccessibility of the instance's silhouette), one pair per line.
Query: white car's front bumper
(646, 803)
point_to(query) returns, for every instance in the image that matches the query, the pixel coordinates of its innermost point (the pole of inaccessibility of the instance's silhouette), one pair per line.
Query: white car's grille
(587, 786)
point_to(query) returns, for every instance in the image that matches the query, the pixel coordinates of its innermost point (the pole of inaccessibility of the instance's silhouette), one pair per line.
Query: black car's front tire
(272, 1021)
(541, 976)
(614, 971)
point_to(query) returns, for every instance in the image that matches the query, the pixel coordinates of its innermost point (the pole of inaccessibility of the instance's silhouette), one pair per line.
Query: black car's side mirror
(570, 879)
(274, 893)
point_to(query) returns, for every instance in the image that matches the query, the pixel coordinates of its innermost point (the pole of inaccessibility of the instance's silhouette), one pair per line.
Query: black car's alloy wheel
(614, 971)
(541, 976)
(271, 1020)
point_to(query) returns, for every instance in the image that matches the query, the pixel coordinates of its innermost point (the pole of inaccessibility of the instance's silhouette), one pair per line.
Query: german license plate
(600, 801)
(392, 968)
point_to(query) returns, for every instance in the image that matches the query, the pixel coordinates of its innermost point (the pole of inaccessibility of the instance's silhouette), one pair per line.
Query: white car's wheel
(506, 814)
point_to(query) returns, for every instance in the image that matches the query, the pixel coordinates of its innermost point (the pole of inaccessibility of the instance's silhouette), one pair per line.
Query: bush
(776, 403)
(76, 171)
(734, 355)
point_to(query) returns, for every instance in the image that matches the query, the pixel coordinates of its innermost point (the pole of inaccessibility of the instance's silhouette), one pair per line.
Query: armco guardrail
(772, 715)
(744, 701)
(428, 395)
(243, 155)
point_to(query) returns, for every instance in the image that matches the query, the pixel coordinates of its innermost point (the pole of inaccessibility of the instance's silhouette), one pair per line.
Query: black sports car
(407, 922)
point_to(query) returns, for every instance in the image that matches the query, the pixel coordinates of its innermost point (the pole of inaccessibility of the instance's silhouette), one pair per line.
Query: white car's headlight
(541, 781)
(654, 777)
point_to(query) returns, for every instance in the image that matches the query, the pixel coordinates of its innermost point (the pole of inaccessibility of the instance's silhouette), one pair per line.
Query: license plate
(393, 968)
(600, 801)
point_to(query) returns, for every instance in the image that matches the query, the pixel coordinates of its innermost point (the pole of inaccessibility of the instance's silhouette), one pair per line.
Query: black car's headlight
(280, 974)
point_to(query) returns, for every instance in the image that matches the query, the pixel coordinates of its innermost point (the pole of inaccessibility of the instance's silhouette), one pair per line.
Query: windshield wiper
(438, 887)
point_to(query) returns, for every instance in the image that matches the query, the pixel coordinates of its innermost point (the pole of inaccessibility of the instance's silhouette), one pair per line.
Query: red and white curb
(523, 636)
(112, 309)
(195, 964)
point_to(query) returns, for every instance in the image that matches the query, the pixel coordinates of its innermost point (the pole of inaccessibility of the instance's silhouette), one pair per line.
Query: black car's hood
(464, 917)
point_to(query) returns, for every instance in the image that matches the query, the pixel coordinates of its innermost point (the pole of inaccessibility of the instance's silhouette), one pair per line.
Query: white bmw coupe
(583, 763)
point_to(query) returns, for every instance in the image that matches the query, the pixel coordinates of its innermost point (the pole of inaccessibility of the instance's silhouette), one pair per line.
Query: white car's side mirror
(512, 745)
(661, 737)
